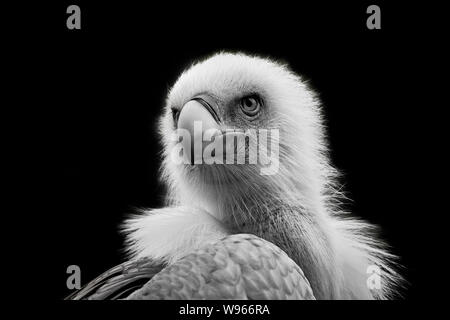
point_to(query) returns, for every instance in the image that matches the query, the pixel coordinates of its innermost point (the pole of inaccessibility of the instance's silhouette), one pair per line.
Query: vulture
(273, 228)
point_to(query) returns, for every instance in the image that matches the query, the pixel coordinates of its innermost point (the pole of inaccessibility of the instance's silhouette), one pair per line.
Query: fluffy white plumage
(169, 233)
(297, 209)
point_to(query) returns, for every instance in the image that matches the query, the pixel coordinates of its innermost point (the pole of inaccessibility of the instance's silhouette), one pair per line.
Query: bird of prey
(232, 230)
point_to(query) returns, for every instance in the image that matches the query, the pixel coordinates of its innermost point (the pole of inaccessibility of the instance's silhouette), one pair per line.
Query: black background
(97, 93)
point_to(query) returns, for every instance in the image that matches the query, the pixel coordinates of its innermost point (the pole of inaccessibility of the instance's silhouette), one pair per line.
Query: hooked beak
(198, 116)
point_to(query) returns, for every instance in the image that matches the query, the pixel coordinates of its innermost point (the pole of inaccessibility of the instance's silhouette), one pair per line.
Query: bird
(233, 230)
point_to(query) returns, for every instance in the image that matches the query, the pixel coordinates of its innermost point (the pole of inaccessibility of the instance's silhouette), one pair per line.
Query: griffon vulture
(233, 231)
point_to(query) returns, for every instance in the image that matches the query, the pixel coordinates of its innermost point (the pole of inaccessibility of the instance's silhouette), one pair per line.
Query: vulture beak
(198, 116)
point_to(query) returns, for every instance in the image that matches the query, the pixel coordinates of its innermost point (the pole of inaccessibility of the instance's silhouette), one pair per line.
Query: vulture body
(231, 231)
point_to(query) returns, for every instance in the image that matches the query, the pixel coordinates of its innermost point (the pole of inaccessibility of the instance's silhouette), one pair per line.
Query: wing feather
(119, 281)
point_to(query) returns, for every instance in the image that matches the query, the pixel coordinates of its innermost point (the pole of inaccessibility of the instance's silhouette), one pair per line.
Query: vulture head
(274, 114)
(289, 195)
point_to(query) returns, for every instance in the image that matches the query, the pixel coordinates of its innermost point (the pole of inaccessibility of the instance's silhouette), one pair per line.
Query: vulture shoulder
(239, 266)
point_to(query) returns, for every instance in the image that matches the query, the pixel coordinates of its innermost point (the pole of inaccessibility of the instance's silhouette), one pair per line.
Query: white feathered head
(263, 101)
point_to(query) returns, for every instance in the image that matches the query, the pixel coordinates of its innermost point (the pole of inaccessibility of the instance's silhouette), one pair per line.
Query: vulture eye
(250, 106)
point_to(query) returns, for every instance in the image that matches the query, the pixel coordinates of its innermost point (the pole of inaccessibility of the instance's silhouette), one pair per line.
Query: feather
(117, 282)
(238, 266)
